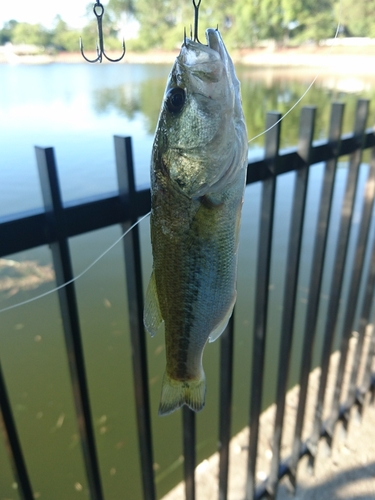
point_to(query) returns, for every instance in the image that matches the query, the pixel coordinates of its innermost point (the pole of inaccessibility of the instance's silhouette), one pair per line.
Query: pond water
(77, 109)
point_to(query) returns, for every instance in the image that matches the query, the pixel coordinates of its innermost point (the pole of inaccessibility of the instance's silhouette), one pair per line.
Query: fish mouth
(194, 51)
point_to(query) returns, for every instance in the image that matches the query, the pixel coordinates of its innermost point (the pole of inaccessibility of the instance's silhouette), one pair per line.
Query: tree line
(60, 38)
(243, 23)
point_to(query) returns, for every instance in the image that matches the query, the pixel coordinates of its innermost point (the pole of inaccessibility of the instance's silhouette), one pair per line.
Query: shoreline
(332, 60)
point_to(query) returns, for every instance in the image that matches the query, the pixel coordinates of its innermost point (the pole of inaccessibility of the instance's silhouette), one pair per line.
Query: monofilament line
(78, 275)
(308, 88)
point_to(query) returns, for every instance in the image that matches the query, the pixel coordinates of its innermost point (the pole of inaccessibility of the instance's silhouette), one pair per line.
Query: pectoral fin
(211, 200)
(152, 317)
(218, 330)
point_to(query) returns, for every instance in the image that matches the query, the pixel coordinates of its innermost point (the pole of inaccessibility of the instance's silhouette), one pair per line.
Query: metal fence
(58, 223)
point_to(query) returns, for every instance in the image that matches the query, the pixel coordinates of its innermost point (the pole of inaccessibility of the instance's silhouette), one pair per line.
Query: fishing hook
(196, 15)
(99, 11)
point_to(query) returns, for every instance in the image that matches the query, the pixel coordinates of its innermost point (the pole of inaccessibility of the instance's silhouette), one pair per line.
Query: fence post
(127, 191)
(69, 313)
(368, 381)
(188, 425)
(352, 301)
(290, 291)
(12, 443)
(355, 393)
(338, 273)
(334, 138)
(273, 125)
(225, 405)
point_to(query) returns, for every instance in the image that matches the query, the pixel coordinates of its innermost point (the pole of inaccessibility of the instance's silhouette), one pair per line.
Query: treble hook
(196, 15)
(99, 11)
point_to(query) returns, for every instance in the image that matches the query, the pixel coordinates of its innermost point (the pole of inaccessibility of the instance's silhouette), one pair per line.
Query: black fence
(58, 223)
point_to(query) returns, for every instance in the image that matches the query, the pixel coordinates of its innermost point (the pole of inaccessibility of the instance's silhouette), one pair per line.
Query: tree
(162, 22)
(243, 31)
(30, 34)
(313, 19)
(6, 32)
(63, 37)
(257, 20)
(359, 17)
(120, 7)
(156, 18)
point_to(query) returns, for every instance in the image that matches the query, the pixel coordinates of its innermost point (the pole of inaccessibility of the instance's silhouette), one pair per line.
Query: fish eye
(175, 99)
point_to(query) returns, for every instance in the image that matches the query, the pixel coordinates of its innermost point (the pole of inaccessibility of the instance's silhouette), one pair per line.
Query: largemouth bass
(198, 170)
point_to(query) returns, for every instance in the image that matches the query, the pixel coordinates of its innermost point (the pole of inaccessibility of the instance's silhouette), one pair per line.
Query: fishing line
(28, 301)
(308, 88)
(37, 297)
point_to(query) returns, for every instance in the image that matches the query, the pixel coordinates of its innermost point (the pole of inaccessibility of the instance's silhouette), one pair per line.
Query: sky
(44, 11)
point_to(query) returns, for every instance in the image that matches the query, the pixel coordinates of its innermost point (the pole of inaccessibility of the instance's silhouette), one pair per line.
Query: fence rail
(57, 223)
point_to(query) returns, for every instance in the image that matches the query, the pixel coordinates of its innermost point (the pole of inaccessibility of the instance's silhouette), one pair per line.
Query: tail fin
(176, 393)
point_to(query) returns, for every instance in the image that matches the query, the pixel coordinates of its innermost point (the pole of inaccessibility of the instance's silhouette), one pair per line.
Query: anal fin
(218, 330)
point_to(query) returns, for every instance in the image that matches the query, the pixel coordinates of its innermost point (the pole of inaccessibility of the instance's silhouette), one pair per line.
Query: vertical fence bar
(261, 296)
(372, 383)
(355, 394)
(367, 381)
(126, 182)
(338, 273)
(290, 291)
(188, 424)
(355, 282)
(12, 443)
(69, 312)
(311, 319)
(225, 408)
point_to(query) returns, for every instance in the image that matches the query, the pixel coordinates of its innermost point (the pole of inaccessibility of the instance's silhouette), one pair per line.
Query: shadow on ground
(357, 483)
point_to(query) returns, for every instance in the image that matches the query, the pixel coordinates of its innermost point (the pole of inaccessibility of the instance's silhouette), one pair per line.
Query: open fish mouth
(213, 40)
(192, 50)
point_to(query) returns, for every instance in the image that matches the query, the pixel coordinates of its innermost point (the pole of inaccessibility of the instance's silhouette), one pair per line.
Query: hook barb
(99, 11)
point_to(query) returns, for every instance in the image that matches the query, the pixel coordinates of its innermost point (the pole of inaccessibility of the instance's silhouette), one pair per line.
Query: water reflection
(278, 90)
(130, 100)
(21, 276)
(262, 91)
(78, 108)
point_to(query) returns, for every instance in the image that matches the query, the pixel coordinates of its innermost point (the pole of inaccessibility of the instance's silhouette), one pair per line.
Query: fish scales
(198, 171)
(195, 266)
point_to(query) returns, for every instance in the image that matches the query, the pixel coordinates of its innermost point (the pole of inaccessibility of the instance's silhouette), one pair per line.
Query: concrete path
(347, 473)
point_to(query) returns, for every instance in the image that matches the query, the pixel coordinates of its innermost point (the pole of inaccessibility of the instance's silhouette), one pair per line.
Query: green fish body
(198, 171)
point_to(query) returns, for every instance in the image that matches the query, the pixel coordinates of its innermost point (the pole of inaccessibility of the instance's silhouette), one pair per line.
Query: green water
(32, 346)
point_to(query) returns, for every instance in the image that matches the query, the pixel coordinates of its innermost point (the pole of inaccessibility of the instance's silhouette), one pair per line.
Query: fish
(198, 171)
